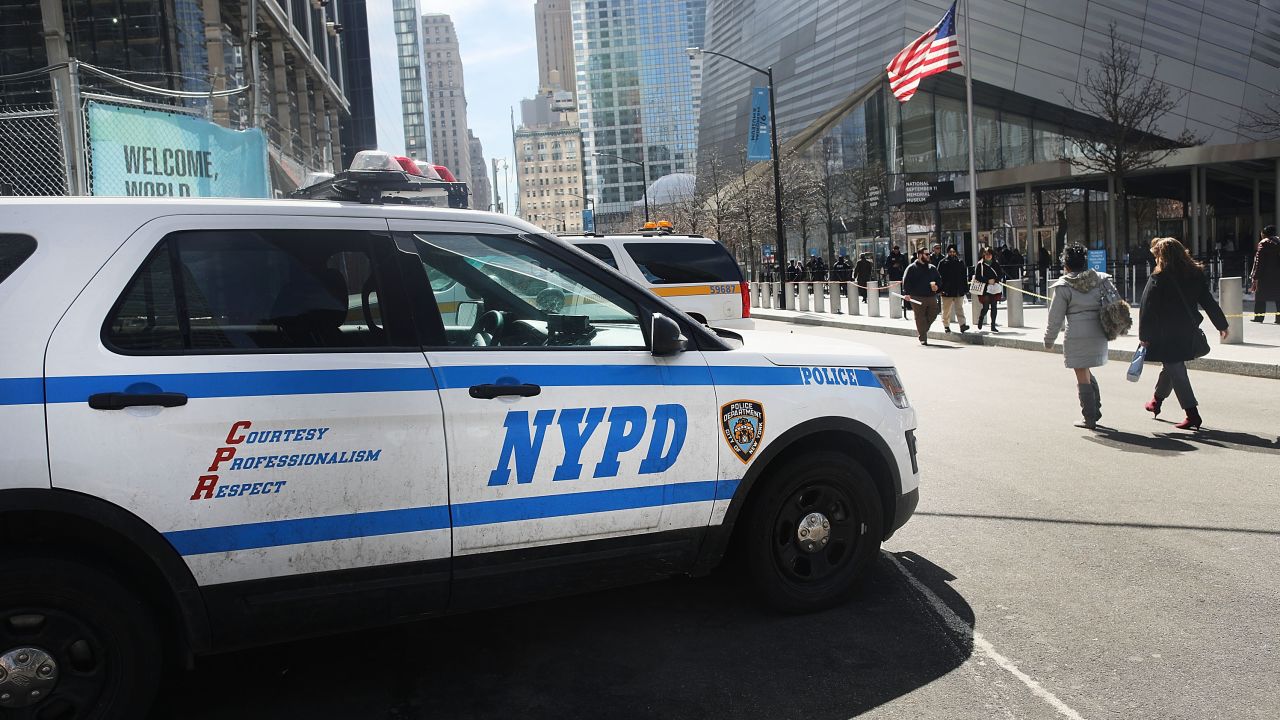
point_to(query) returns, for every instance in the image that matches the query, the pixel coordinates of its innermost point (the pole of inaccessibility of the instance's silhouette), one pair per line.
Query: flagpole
(973, 175)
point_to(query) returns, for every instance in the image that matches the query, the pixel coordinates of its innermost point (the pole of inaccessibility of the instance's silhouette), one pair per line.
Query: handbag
(1116, 315)
(976, 287)
(1135, 365)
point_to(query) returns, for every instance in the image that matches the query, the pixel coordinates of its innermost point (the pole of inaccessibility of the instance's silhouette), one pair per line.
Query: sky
(499, 64)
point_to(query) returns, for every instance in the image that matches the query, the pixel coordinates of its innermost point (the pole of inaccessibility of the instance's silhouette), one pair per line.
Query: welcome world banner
(148, 153)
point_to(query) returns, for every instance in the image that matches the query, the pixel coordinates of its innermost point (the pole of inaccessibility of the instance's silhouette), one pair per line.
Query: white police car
(694, 273)
(233, 422)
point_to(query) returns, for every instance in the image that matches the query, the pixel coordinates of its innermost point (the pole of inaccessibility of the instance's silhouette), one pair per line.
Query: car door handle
(489, 392)
(120, 401)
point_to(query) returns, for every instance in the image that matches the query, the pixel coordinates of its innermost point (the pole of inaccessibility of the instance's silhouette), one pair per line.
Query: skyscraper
(481, 188)
(412, 99)
(554, 30)
(446, 95)
(635, 94)
(359, 131)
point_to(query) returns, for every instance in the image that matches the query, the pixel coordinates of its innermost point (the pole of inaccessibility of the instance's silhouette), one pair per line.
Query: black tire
(789, 576)
(100, 635)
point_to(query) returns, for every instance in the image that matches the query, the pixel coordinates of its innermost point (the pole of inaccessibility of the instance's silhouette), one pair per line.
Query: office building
(413, 98)
(481, 188)
(834, 106)
(446, 95)
(549, 166)
(359, 129)
(635, 95)
(553, 29)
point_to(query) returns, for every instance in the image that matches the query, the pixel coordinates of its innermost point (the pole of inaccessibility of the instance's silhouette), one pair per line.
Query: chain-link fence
(32, 151)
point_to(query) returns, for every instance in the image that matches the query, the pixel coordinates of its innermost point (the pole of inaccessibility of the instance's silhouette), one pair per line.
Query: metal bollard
(854, 301)
(873, 298)
(975, 308)
(802, 296)
(754, 288)
(1231, 292)
(895, 304)
(819, 299)
(1013, 311)
(766, 297)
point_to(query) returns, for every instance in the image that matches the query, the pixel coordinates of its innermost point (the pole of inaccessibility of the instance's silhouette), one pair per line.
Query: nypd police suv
(231, 422)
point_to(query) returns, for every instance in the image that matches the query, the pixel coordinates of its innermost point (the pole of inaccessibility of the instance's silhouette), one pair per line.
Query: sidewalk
(1258, 356)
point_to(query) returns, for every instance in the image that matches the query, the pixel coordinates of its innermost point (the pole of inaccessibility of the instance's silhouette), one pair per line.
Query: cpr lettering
(522, 443)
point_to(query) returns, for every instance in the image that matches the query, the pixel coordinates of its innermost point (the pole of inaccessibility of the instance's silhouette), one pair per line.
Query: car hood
(792, 349)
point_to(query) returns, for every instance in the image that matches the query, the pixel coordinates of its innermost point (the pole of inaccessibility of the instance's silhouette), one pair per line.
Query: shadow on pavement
(677, 649)
(1145, 444)
(1232, 440)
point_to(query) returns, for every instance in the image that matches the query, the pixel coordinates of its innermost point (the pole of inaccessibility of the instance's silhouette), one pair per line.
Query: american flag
(933, 52)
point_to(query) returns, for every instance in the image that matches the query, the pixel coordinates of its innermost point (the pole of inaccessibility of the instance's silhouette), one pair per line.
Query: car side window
(673, 263)
(256, 290)
(507, 292)
(599, 252)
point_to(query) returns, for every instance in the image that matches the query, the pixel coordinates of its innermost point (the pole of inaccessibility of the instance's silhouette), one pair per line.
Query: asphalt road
(1050, 572)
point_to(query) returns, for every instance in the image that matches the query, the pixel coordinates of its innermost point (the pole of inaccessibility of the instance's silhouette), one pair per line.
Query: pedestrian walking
(895, 264)
(990, 274)
(955, 286)
(862, 273)
(920, 285)
(1265, 277)
(935, 255)
(1169, 324)
(1046, 263)
(1078, 298)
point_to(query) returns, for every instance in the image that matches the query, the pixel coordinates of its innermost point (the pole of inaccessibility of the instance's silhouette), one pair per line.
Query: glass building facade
(406, 15)
(635, 94)
(1221, 58)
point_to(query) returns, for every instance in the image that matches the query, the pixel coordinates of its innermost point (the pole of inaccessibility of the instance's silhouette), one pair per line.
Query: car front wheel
(814, 529)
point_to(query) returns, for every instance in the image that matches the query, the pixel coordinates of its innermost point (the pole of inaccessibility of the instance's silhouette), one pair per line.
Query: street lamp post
(777, 167)
(644, 170)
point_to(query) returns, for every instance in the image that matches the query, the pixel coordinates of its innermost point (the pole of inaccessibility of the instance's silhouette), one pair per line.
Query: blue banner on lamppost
(758, 130)
(588, 220)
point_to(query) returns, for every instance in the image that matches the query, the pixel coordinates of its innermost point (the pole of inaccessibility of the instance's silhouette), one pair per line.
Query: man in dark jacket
(895, 264)
(935, 255)
(955, 286)
(920, 285)
(862, 274)
(1266, 274)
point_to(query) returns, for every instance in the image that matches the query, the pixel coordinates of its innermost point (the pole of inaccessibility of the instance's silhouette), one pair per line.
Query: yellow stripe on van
(687, 290)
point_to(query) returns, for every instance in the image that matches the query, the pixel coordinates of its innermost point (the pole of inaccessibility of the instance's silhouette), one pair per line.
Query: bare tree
(833, 193)
(1264, 122)
(1131, 103)
(801, 198)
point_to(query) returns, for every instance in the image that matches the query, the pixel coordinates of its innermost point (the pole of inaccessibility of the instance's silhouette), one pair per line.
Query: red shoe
(1153, 407)
(1192, 422)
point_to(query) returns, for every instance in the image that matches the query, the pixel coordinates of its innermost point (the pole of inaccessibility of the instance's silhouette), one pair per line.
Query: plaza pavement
(1257, 356)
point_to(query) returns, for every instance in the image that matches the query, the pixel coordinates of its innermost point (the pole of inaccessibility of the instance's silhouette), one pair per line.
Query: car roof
(140, 210)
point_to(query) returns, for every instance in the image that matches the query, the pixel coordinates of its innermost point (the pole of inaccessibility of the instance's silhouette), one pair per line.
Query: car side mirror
(468, 312)
(665, 336)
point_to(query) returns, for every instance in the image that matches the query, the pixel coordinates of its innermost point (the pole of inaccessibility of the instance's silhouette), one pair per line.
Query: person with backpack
(1078, 299)
(1265, 277)
(1169, 324)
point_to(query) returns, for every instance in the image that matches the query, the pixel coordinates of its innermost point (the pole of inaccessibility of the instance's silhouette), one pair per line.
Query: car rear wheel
(813, 530)
(74, 643)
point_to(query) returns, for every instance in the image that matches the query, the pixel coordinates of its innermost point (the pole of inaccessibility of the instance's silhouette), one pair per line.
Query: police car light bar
(377, 177)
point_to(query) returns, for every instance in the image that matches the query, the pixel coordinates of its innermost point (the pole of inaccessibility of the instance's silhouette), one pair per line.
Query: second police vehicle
(234, 422)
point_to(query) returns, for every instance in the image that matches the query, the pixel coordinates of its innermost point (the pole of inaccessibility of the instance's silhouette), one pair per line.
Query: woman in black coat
(1169, 324)
(990, 273)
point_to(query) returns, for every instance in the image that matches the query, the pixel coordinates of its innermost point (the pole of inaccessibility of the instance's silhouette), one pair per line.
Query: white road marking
(962, 628)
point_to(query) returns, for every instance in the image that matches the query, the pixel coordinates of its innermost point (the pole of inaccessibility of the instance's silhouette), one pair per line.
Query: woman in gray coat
(1077, 302)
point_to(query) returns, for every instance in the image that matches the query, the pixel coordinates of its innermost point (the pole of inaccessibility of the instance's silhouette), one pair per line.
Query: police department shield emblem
(743, 424)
